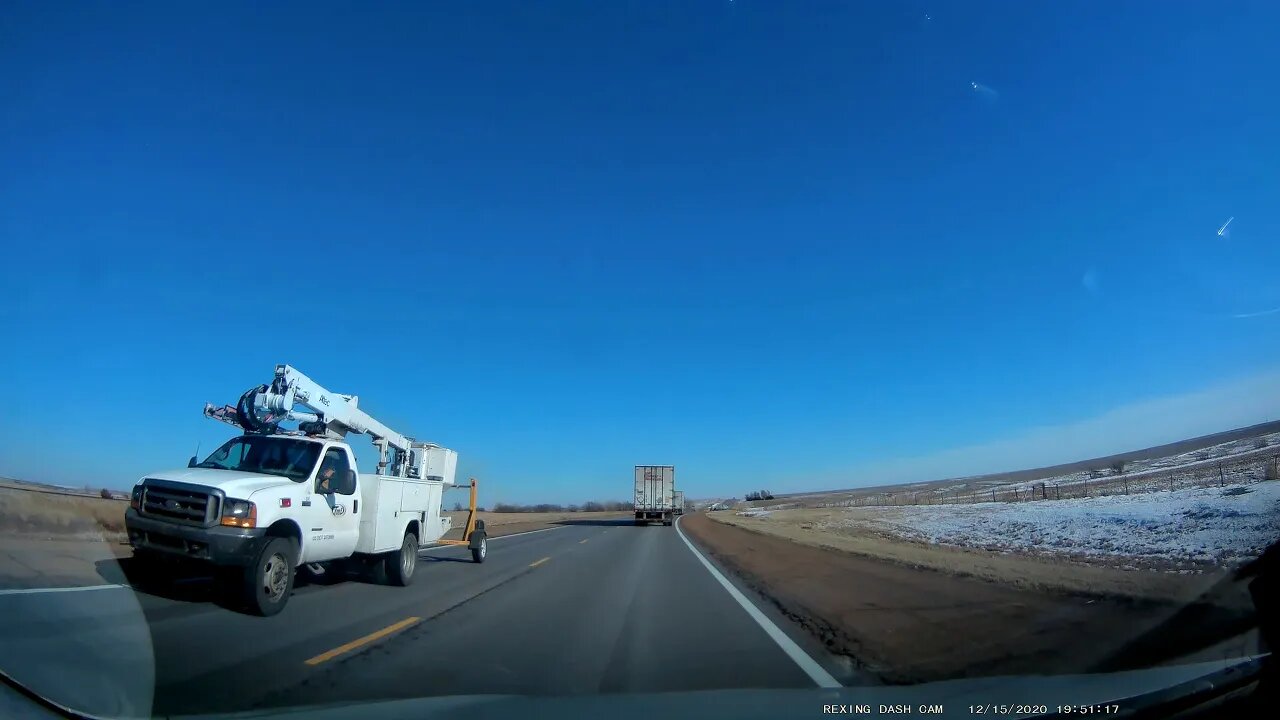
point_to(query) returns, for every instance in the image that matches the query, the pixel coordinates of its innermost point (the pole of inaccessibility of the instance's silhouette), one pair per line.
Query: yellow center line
(581, 542)
(361, 642)
(536, 563)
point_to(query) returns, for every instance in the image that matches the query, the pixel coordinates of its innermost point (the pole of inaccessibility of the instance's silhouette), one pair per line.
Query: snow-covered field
(1186, 527)
(765, 510)
(1243, 461)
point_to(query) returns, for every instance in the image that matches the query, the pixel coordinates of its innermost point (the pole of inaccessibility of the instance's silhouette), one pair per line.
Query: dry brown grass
(26, 511)
(498, 519)
(35, 512)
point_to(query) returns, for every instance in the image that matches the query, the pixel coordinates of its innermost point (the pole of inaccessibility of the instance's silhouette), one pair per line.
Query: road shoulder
(907, 624)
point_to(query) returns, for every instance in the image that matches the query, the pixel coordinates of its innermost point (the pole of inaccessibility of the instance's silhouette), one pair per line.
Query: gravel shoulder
(914, 614)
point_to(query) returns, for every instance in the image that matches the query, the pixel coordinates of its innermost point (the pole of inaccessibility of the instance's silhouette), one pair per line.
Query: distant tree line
(759, 495)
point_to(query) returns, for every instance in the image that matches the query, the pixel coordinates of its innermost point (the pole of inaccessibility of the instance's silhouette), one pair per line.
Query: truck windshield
(287, 457)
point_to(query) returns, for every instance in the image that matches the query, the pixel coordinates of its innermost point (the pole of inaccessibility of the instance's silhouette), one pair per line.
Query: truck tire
(401, 563)
(478, 553)
(269, 580)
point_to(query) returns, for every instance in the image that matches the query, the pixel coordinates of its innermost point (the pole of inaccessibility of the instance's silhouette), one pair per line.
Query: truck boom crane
(294, 396)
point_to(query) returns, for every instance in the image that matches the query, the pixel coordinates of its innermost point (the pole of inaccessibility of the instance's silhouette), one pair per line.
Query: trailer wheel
(401, 564)
(269, 580)
(479, 552)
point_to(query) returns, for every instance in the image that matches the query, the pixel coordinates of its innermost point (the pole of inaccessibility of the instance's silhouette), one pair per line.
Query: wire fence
(1251, 469)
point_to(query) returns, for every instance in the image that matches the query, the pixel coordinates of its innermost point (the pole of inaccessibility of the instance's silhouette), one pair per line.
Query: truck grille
(185, 504)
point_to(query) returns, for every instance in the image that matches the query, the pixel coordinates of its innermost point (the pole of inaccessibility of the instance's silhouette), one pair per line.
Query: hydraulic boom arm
(294, 396)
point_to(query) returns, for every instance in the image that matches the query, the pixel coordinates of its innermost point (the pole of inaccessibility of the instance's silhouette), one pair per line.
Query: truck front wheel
(269, 580)
(400, 565)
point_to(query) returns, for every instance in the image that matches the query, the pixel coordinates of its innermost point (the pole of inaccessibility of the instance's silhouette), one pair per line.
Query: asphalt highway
(577, 609)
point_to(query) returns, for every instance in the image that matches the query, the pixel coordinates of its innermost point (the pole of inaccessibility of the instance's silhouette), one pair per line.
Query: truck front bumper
(218, 545)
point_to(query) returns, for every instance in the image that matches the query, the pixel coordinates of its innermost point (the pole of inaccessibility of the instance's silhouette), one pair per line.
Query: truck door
(332, 519)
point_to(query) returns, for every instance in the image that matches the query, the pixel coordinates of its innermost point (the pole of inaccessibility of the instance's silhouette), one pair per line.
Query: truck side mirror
(193, 462)
(347, 483)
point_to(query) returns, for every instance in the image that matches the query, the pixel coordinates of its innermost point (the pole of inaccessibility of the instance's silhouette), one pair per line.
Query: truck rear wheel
(269, 580)
(478, 553)
(400, 565)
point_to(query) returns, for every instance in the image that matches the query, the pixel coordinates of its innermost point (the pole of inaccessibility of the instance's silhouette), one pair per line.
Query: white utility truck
(272, 500)
(655, 485)
(677, 502)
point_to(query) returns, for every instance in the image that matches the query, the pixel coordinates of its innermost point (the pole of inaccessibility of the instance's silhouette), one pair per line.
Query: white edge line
(493, 539)
(810, 666)
(34, 591)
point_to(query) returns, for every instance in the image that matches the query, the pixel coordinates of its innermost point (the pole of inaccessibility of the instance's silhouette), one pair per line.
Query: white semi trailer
(655, 494)
(271, 500)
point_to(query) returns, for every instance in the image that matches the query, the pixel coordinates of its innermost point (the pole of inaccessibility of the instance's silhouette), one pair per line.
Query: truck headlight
(135, 498)
(239, 513)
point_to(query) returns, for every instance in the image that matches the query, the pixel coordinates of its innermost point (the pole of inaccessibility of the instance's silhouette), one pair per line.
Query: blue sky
(775, 244)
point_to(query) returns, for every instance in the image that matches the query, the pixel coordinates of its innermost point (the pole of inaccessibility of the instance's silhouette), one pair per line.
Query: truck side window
(336, 460)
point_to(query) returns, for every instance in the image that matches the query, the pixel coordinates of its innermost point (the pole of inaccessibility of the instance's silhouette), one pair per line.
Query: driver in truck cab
(325, 478)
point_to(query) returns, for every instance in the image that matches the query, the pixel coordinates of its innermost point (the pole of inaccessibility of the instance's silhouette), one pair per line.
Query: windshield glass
(286, 457)
(732, 344)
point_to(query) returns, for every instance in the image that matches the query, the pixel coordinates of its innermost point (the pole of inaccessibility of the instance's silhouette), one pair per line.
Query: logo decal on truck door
(339, 510)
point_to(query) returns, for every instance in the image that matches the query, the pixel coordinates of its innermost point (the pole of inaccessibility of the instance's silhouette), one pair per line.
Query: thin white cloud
(1156, 421)
(1260, 313)
(1092, 281)
(984, 91)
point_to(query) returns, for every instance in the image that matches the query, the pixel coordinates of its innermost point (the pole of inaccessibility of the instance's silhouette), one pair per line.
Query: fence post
(1126, 486)
(1222, 480)
(993, 494)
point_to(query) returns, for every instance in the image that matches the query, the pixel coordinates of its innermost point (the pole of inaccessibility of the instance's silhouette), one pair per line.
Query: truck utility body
(677, 502)
(654, 494)
(271, 500)
(369, 517)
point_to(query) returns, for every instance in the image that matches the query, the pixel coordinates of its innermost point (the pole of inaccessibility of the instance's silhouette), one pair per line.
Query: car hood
(1149, 689)
(234, 483)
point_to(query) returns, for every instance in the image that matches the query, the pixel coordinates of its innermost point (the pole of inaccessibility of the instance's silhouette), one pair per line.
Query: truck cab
(253, 487)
